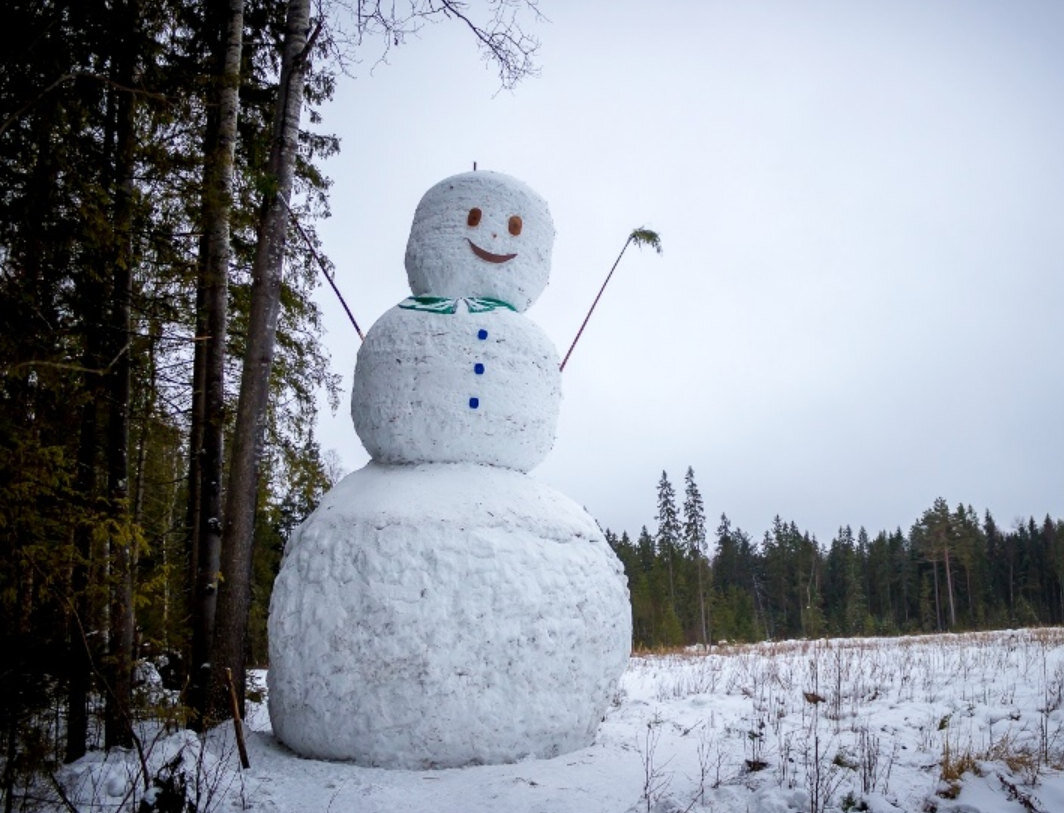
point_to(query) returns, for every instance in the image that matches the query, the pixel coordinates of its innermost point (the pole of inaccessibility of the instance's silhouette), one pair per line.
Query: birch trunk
(209, 415)
(230, 638)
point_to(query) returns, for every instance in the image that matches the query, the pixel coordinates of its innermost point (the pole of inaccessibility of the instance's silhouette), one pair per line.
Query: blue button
(474, 403)
(478, 368)
(482, 334)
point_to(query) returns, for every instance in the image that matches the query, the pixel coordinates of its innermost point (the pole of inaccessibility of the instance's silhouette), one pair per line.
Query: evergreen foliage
(951, 572)
(103, 110)
(137, 162)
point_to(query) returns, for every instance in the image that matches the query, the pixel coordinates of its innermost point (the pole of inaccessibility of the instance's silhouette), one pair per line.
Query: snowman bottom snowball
(442, 615)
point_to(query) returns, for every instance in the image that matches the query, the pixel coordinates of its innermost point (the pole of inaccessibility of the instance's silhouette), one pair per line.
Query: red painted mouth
(487, 255)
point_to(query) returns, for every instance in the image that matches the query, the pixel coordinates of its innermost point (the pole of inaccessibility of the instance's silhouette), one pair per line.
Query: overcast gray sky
(861, 206)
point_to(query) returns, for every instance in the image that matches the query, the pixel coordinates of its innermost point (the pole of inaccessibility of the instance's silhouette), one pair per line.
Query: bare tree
(501, 37)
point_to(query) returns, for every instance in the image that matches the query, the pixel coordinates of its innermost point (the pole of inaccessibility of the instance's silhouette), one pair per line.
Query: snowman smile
(487, 255)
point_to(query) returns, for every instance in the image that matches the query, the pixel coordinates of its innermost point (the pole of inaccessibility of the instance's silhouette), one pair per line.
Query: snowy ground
(954, 722)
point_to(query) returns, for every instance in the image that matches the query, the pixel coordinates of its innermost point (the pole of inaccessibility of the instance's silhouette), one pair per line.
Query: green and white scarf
(443, 304)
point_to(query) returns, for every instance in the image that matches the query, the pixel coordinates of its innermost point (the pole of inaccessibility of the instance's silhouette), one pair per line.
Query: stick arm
(640, 236)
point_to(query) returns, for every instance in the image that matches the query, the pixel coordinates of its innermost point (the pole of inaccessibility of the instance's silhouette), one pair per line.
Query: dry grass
(837, 717)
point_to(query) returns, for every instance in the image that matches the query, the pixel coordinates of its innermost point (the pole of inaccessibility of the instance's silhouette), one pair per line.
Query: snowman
(441, 607)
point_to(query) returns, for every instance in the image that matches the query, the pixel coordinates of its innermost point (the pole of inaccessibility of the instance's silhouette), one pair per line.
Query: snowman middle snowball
(455, 373)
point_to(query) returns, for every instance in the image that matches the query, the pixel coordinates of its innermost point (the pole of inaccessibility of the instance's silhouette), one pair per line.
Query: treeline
(953, 570)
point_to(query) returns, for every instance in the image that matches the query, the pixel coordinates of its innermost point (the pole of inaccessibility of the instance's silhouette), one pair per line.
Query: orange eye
(515, 225)
(474, 217)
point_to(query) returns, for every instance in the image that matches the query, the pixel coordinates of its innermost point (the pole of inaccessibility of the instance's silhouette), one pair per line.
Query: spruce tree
(934, 536)
(694, 534)
(668, 537)
(643, 601)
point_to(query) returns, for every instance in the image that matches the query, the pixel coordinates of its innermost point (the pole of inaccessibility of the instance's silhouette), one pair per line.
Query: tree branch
(501, 39)
(68, 77)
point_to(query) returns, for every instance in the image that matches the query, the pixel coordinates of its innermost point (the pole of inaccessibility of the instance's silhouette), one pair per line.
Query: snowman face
(480, 234)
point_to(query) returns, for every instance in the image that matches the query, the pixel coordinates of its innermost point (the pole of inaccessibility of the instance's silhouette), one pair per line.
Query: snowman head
(480, 234)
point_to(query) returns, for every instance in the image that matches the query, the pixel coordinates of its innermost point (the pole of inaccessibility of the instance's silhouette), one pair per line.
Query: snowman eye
(515, 225)
(474, 217)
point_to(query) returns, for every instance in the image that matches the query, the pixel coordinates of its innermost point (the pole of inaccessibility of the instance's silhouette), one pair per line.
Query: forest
(952, 570)
(161, 358)
(161, 174)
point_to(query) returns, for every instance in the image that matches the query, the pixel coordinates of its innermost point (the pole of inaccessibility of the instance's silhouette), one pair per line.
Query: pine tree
(970, 556)
(694, 532)
(879, 583)
(934, 536)
(643, 602)
(738, 597)
(1002, 563)
(100, 150)
(668, 535)
(844, 598)
(858, 616)
(645, 550)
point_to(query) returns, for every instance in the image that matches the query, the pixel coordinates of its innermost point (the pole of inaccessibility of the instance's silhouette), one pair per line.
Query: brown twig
(324, 268)
(70, 77)
(238, 724)
(60, 365)
(638, 236)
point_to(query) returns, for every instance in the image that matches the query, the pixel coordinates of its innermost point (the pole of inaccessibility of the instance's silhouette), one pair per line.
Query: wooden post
(238, 724)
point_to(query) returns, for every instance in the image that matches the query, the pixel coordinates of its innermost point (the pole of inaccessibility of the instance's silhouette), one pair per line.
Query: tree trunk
(1012, 580)
(949, 588)
(205, 508)
(906, 568)
(80, 664)
(87, 618)
(702, 602)
(672, 583)
(938, 606)
(117, 719)
(230, 641)
(968, 584)
(80, 667)
(194, 505)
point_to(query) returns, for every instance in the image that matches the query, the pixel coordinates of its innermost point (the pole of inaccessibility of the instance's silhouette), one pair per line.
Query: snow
(444, 615)
(440, 257)
(681, 728)
(441, 608)
(475, 381)
(416, 374)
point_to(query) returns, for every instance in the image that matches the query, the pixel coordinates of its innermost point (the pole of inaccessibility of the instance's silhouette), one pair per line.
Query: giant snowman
(442, 608)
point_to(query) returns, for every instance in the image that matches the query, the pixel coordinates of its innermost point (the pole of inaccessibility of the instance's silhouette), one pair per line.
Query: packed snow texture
(683, 732)
(440, 608)
(418, 374)
(481, 210)
(443, 615)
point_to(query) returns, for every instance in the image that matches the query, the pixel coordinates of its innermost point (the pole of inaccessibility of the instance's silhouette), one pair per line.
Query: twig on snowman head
(324, 268)
(641, 237)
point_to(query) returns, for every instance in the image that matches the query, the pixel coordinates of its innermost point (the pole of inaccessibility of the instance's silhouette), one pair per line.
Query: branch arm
(591, 310)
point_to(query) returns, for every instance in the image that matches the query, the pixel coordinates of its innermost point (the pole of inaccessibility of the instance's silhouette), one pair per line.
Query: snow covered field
(969, 722)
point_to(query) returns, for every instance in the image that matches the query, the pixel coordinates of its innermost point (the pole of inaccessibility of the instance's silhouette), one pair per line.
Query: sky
(861, 208)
